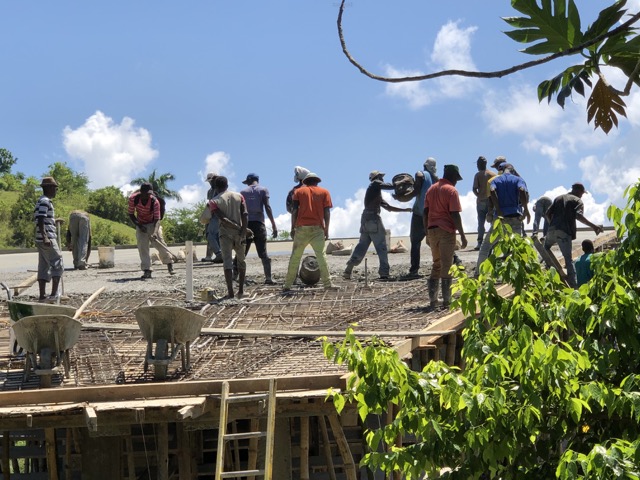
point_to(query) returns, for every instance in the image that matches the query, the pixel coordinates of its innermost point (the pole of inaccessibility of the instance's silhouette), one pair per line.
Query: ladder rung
(240, 436)
(247, 398)
(241, 473)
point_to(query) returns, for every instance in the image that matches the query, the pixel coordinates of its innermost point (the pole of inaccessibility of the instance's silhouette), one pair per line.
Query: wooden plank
(163, 450)
(304, 448)
(184, 453)
(52, 456)
(241, 332)
(343, 446)
(91, 418)
(193, 411)
(106, 393)
(6, 446)
(222, 426)
(326, 447)
(131, 461)
(25, 284)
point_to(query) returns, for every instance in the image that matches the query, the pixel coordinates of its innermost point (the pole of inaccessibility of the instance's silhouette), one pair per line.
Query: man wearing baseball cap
(562, 215)
(371, 226)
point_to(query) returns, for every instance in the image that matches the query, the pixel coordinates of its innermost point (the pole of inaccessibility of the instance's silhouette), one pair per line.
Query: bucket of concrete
(168, 325)
(46, 339)
(309, 270)
(106, 257)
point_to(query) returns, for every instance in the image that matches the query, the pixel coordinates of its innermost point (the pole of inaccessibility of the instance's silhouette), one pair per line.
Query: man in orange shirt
(310, 226)
(441, 220)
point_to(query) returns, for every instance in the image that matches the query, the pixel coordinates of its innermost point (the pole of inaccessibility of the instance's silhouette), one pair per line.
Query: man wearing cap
(481, 191)
(213, 227)
(144, 212)
(441, 220)
(562, 215)
(256, 198)
(422, 182)
(310, 226)
(231, 210)
(371, 226)
(509, 199)
(50, 266)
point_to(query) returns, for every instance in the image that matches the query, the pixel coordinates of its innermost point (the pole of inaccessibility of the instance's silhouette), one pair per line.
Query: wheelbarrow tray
(40, 331)
(171, 323)
(18, 310)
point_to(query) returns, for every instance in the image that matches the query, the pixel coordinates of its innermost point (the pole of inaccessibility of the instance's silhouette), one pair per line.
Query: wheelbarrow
(164, 325)
(18, 310)
(46, 339)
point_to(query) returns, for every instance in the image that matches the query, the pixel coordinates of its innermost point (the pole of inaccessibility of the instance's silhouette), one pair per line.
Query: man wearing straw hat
(50, 266)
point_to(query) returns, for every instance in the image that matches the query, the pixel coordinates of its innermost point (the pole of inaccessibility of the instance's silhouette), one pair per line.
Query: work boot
(433, 284)
(266, 266)
(446, 292)
(170, 269)
(347, 272)
(146, 274)
(218, 258)
(207, 257)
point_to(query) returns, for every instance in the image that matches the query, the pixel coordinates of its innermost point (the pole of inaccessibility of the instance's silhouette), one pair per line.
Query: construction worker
(562, 215)
(481, 191)
(144, 212)
(540, 209)
(256, 199)
(230, 209)
(213, 227)
(509, 197)
(50, 265)
(441, 220)
(79, 238)
(371, 226)
(310, 226)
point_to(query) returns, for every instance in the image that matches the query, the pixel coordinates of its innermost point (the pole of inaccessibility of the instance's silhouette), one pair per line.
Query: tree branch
(466, 73)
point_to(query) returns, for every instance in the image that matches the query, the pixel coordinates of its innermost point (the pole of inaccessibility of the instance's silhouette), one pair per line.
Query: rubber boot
(446, 292)
(347, 272)
(170, 269)
(434, 283)
(266, 266)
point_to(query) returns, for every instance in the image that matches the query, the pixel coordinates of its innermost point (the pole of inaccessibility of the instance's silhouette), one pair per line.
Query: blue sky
(117, 89)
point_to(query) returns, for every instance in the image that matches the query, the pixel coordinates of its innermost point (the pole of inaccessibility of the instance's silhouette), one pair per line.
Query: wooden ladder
(223, 437)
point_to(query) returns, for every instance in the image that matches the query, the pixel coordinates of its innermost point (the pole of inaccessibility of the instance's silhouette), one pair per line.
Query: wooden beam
(163, 451)
(91, 418)
(106, 393)
(6, 454)
(184, 453)
(304, 448)
(193, 411)
(326, 447)
(52, 456)
(343, 446)
(27, 283)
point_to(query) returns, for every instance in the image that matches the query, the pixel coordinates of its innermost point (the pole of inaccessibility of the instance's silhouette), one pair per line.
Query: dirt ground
(124, 277)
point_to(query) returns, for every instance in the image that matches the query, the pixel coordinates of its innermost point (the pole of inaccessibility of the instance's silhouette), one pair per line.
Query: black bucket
(309, 270)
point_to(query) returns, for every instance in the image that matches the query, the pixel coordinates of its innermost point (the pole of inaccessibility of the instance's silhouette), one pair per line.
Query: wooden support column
(52, 457)
(326, 447)
(252, 461)
(163, 451)
(451, 348)
(6, 456)
(184, 453)
(343, 446)
(304, 448)
(131, 461)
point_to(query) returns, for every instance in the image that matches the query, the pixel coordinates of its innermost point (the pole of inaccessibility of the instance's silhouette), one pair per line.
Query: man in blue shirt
(509, 198)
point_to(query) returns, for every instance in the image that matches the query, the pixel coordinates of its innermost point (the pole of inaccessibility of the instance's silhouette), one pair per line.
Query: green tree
(550, 387)
(553, 29)
(7, 160)
(69, 181)
(159, 184)
(22, 219)
(182, 224)
(109, 203)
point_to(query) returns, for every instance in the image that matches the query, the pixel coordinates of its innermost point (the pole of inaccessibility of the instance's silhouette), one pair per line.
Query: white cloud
(100, 143)
(451, 50)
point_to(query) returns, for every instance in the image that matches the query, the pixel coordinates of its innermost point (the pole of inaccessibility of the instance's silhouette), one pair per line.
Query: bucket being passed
(106, 256)
(309, 270)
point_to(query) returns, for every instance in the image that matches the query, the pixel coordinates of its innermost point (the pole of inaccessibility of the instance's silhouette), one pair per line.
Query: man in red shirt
(144, 212)
(441, 220)
(310, 226)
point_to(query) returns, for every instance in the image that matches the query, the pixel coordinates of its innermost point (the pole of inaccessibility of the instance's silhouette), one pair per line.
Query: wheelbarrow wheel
(162, 353)
(46, 363)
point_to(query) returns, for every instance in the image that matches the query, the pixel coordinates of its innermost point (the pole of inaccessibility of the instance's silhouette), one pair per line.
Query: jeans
(482, 207)
(416, 236)
(309, 235)
(213, 235)
(563, 240)
(259, 238)
(487, 245)
(536, 223)
(371, 230)
(443, 247)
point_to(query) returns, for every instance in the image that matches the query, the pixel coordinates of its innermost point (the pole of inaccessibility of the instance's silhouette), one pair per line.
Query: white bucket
(106, 257)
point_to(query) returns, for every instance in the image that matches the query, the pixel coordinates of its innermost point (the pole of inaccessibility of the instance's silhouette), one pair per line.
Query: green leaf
(602, 106)
(575, 409)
